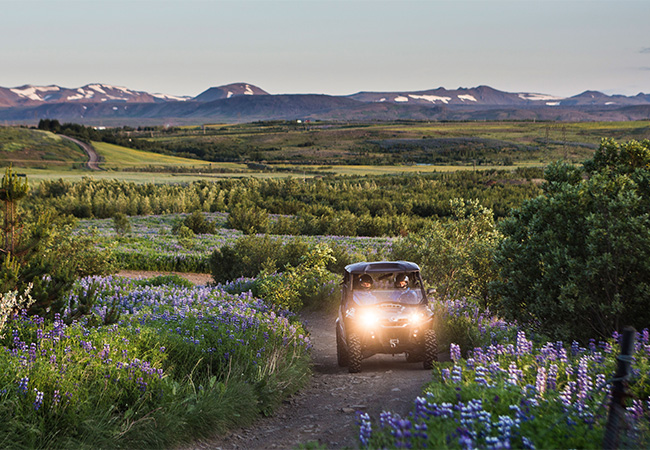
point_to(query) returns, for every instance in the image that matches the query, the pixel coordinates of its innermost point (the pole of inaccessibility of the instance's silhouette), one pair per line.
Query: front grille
(397, 322)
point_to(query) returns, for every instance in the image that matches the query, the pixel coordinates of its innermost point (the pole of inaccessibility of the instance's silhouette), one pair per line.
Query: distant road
(93, 157)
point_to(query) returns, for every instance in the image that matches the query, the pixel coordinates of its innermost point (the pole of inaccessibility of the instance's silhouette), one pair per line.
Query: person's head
(401, 281)
(365, 281)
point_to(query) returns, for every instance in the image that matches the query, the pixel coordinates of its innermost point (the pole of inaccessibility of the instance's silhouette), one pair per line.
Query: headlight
(368, 318)
(416, 317)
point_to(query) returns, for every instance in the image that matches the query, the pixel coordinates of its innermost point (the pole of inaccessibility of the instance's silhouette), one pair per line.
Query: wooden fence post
(616, 416)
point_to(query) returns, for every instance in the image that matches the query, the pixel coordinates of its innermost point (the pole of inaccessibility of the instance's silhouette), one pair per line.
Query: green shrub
(250, 254)
(575, 261)
(197, 223)
(292, 287)
(455, 255)
(250, 219)
(121, 224)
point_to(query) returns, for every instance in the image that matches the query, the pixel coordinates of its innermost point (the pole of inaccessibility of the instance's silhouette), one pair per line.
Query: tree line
(369, 206)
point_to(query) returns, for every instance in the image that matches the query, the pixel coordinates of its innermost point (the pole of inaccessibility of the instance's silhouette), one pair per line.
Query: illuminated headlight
(368, 318)
(416, 317)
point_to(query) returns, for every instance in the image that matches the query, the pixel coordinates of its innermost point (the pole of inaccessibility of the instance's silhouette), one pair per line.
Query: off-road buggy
(384, 309)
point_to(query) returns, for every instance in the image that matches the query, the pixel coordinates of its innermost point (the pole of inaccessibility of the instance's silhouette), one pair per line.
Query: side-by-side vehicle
(384, 309)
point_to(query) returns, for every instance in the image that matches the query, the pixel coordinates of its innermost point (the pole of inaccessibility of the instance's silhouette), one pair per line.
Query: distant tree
(248, 218)
(121, 224)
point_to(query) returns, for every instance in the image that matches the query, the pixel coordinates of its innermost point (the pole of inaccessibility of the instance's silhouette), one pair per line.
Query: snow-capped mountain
(481, 95)
(29, 95)
(229, 91)
(241, 102)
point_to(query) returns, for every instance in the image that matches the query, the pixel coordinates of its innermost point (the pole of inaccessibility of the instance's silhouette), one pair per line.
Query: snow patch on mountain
(32, 92)
(430, 98)
(169, 97)
(98, 88)
(467, 97)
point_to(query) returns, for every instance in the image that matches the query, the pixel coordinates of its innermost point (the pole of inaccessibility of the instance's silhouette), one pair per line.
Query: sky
(335, 47)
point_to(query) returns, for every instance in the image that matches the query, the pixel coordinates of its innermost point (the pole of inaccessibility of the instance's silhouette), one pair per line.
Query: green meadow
(292, 149)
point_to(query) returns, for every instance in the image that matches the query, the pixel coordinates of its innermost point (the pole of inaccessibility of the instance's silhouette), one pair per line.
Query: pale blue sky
(331, 47)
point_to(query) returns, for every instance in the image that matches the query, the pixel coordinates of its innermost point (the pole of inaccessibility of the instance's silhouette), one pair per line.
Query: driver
(401, 281)
(362, 294)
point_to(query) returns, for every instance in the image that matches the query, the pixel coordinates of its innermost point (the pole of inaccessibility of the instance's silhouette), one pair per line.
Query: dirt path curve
(324, 411)
(93, 156)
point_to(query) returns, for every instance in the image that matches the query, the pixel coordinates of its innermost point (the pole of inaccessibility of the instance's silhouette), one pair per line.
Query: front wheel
(354, 353)
(342, 355)
(430, 349)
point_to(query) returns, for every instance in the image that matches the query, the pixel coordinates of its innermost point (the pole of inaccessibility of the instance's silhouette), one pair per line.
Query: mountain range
(243, 102)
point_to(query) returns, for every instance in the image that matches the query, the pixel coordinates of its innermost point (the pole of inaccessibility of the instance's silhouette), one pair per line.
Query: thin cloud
(645, 50)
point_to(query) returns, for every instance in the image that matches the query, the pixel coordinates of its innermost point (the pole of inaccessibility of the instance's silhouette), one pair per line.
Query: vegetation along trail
(324, 411)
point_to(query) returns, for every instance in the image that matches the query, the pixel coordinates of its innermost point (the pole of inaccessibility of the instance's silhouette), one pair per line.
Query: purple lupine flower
(454, 351)
(39, 399)
(514, 374)
(566, 396)
(385, 419)
(480, 376)
(524, 346)
(56, 398)
(541, 380)
(575, 348)
(365, 428)
(22, 386)
(551, 380)
(584, 380)
(456, 374)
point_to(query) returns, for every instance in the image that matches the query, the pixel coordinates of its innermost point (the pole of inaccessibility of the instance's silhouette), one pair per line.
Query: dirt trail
(93, 156)
(324, 411)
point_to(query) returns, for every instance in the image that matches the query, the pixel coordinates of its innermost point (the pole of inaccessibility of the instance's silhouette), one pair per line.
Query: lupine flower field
(148, 366)
(516, 392)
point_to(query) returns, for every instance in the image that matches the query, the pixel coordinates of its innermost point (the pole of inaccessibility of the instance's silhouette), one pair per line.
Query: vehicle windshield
(389, 287)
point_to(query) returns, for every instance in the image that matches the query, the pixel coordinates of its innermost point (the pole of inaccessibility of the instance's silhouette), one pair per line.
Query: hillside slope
(22, 147)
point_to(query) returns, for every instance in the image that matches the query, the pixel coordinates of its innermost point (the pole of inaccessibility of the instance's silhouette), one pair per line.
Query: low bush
(292, 287)
(197, 223)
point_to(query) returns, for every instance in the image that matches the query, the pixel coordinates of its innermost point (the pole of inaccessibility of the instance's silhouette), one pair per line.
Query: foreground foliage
(515, 393)
(181, 363)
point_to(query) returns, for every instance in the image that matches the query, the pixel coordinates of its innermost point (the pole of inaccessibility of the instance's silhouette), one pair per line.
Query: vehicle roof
(382, 266)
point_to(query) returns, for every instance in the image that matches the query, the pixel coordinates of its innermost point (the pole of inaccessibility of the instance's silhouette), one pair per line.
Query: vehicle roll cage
(392, 267)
